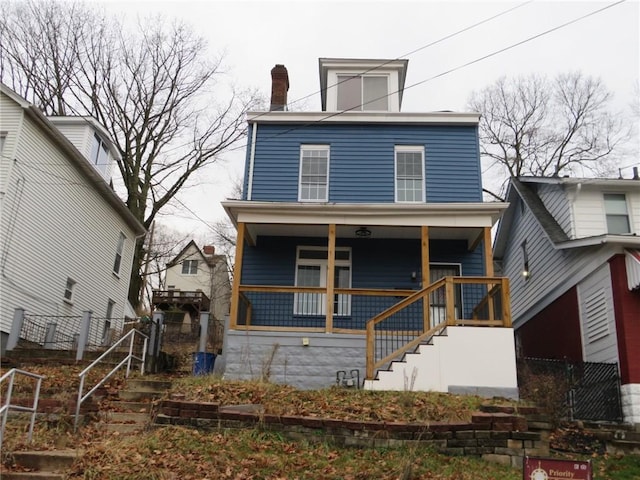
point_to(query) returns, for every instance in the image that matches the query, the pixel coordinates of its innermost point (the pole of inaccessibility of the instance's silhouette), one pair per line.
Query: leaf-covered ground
(187, 454)
(333, 402)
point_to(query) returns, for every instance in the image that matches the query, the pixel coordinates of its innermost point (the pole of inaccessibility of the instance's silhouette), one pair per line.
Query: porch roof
(388, 220)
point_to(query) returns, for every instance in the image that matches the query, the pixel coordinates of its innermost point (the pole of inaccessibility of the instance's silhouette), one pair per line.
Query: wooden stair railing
(502, 318)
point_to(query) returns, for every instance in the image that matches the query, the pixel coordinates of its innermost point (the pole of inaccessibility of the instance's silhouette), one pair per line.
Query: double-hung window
(409, 173)
(314, 173)
(117, 262)
(363, 92)
(190, 267)
(615, 207)
(311, 271)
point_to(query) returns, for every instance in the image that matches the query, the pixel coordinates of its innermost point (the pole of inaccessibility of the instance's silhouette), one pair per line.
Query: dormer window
(361, 85)
(99, 153)
(363, 92)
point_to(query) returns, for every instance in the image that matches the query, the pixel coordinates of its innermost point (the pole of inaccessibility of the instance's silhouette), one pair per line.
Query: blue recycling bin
(203, 363)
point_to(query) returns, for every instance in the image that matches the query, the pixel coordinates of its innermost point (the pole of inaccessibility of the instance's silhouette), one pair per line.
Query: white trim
(412, 149)
(392, 214)
(308, 147)
(434, 118)
(322, 264)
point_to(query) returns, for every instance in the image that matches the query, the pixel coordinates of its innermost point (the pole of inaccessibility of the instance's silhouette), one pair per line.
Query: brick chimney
(279, 88)
(209, 250)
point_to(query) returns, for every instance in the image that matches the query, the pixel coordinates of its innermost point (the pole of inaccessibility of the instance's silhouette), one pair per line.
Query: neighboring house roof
(211, 260)
(77, 159)
(521, 187)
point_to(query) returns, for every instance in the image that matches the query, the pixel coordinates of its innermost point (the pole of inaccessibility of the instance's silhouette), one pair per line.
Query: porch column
(237, 272)
(424, 234)
(488, 253)
(331, 265)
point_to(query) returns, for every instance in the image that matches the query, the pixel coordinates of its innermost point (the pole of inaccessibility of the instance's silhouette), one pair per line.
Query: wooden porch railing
(389, 334)
(394, 320)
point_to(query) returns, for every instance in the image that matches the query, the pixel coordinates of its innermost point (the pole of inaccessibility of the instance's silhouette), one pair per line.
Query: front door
(437, 299)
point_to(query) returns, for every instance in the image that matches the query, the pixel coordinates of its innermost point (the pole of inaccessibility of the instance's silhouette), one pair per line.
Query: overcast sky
(257, 35)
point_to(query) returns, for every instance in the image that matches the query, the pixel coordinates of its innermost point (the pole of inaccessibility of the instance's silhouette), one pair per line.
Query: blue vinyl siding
(272, 262)
(362, 161)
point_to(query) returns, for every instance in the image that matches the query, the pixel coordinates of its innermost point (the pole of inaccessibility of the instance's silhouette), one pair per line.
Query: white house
(196, 270)
(571, 249)
(67, 240)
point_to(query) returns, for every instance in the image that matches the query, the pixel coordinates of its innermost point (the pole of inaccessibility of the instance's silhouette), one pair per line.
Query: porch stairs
(462, 360)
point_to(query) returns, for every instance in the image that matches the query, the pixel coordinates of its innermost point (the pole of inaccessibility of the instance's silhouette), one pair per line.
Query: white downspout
(251, 160)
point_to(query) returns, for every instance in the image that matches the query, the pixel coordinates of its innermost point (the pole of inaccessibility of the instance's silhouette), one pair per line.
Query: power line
(459, 67)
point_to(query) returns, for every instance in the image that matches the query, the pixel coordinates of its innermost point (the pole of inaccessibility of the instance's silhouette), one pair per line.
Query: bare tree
(157, 90)
(532, 126)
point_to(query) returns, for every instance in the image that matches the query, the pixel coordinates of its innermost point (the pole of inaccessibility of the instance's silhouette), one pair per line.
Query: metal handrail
(4, 411)
(127, 360)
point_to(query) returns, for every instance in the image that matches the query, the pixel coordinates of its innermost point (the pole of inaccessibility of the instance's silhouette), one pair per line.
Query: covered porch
(391, 275)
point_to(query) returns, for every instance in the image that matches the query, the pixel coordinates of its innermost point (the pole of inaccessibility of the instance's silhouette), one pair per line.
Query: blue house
(362, 240)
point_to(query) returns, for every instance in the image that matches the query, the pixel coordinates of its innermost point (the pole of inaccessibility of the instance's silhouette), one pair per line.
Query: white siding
(55, 225)
(589, 210)
(212, 280)
(80, 135)
(597, 319)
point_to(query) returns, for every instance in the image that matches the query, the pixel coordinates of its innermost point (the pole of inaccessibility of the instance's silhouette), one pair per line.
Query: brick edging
(500, 436)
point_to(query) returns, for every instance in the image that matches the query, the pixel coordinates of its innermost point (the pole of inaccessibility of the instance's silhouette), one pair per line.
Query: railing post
(426, 276)
(331, 263)
(451, 301)
(506, 303)
(237, 274)
(16, 328)
(204, 331)
(83, 338)
(50, 335)
(153, 346)
(370, 339)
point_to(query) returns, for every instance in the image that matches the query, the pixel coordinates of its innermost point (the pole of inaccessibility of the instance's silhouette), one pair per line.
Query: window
(3, 136)
(615, 207)
(314, 171)
(119, 249)
(363, 92)
(190, 267)
(68, 290)
(311, 271)
(99, 153)
(409, 174)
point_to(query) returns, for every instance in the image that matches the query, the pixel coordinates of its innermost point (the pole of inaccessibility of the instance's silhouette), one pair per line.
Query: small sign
(555, 469)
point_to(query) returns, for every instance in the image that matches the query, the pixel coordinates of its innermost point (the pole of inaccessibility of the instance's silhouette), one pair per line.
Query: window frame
(307, 148)
(187, 267)
(344, 77)
(343, 301)
(608, 215)
(409, 149)
(69, 290)
(99, 153)
(117, 261)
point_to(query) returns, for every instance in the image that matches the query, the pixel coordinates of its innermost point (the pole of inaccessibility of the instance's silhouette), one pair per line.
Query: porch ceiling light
(363, 232)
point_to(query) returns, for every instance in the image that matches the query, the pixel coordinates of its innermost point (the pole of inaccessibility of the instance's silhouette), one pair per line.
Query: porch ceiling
(349, 231)
(451, 221)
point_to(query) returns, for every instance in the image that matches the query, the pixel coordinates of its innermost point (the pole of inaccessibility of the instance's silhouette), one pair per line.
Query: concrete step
(125, 417)
(124, 428)
(43, 465)
(135, 407)
(137, 395)
(143, 384)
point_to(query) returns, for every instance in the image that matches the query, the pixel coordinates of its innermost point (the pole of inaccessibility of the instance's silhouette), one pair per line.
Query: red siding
(554, 332)
(627, 310)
